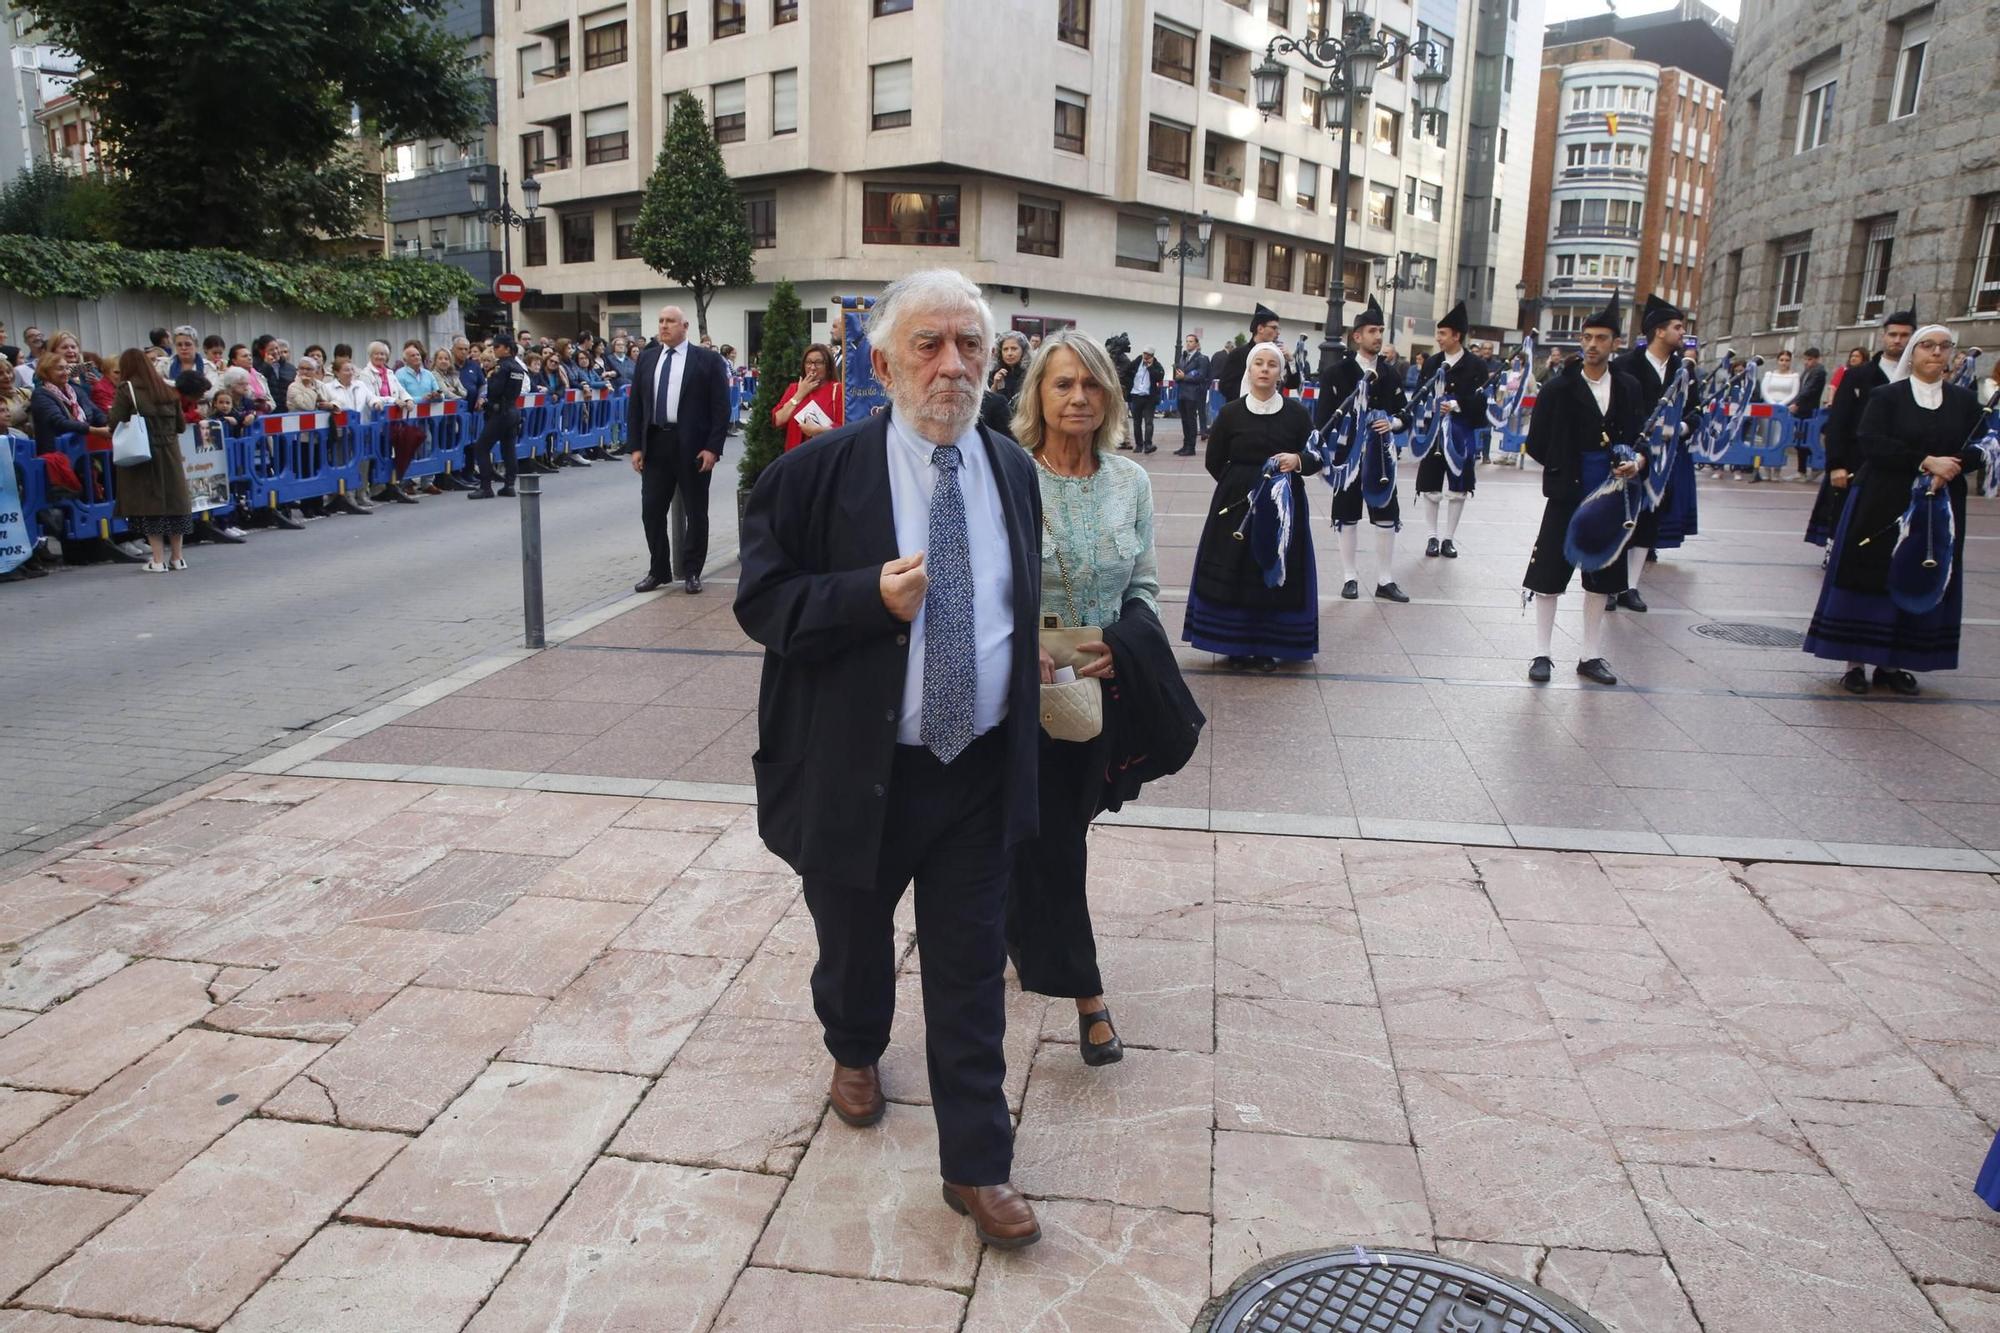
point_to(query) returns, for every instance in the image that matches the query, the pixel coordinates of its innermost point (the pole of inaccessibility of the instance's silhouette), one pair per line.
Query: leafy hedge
(219, 279)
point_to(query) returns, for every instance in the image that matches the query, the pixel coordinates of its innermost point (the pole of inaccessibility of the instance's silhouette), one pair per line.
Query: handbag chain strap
(1062, 567)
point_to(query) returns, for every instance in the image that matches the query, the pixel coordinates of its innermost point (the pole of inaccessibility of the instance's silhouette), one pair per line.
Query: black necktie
(666, 378)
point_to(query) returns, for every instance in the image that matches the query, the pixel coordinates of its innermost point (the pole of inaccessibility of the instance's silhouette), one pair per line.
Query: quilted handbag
(1073, 710)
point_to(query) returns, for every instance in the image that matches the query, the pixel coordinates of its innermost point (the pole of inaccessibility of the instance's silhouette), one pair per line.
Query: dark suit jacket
(1843, 417)
(1634, 363)
(1466, 382)
(1566, 424)
(1385, 390)
(1812, 388)
(704, 412)
(819, 527)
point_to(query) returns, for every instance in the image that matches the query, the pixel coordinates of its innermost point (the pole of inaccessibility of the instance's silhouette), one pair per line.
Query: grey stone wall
(1933, 170)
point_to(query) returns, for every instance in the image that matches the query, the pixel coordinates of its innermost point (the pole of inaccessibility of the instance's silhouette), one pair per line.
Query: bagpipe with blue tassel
(1604, 522)
(1427, 415)
(1920, 566)
(1352, 452)
(1504, 406)
(1726, 408)
(1967, 373)
(1267, 522)
(1662, 438)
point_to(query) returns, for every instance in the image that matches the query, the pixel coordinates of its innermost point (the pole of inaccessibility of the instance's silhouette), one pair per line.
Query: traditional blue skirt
(1677, 510)
(1233, 631)
(1851, 626)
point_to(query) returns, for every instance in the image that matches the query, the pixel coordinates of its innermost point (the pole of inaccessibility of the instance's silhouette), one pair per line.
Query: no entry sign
(509, 288)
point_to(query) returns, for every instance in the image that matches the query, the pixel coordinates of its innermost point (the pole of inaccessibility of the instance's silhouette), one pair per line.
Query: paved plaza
(483, 1007)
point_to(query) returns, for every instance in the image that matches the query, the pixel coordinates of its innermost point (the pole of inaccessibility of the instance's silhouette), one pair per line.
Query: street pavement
(119, 689)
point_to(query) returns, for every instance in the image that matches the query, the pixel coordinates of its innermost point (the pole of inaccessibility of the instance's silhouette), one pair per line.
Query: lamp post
(1531, 306)
(1183, 251)
(1402, 282)
(1351, 59)
(504, 217)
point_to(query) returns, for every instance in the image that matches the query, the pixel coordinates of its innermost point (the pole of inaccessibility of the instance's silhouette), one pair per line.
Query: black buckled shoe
(1855, 681)
(1540, 670)
(1902, 682)
(1350, 590)
(1631, 600)
(1431, 548)
(1597, 669)
(1449, 552)
(1098, 1052)
(1389, 592)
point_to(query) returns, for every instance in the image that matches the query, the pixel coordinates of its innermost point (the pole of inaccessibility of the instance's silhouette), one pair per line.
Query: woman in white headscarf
(1916, 425)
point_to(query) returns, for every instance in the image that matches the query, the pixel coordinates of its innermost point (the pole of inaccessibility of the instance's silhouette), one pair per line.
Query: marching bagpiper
(1446, 476)
(1582, 413)
(1385, 396)
(1652, 364)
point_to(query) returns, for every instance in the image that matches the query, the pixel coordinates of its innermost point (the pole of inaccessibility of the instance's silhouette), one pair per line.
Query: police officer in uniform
(1385, 394)
(504, 388)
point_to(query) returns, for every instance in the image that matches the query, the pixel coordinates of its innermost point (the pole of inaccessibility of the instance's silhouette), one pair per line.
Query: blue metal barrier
(34, 478)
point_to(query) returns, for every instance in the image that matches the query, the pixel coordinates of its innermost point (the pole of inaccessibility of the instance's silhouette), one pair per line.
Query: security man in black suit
(675, 422)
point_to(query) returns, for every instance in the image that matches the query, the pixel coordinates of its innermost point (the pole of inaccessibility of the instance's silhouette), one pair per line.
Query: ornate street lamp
(1350, 59)
(1187, 249)
(504, 217)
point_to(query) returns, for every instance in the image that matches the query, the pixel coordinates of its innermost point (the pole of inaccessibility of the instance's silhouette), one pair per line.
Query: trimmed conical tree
(691, 225)
(786, 337)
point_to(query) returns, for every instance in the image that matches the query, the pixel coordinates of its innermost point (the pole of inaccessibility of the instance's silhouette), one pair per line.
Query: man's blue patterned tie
(951, 669)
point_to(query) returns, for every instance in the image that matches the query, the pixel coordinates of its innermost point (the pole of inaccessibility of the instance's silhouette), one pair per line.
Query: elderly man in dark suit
(892, 571)
(676, 421)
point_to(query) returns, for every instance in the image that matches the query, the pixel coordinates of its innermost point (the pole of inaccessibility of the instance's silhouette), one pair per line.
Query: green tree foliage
(234, 121)
(47, 199)
(787, 333)
(691, 225)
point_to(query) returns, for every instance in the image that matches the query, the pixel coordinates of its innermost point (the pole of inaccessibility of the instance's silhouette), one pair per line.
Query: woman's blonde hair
(1096, 363)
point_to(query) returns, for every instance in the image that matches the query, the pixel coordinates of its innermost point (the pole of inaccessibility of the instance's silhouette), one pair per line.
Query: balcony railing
(1564, 229)
(547, 73)
(1604, 173)
(1577, 120)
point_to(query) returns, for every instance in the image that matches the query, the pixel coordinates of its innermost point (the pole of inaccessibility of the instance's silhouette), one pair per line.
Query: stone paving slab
(586, 1089)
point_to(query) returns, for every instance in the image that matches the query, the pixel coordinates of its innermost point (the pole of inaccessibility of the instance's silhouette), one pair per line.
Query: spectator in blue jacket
(415, 377)
(470, 373)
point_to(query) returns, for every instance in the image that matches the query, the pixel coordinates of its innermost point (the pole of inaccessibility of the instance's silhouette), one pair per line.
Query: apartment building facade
(1032, 144)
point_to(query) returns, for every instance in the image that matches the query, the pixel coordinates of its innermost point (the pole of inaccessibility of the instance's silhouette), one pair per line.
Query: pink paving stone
(1469, 1017)
(1521, 1261)
(1820, 1041)
(146, 1123)
(21, 1111)
(1098, 1267)
(1291, 954)
(41, 1224)
(1161, 995)
(1819, 906)
(459, 894)
(1762, 1251)
(1908, 1167)
(43, 1321)
(1633, 1293)
(772, 1077)
(1585, 972)
(741, 849)
(1275, 1194)
(371, 861)
(640, 1246)
(865, 1203)
(220, 1227)
(279, 923)
(765, 1299)
(536, 946)
(423, 829)
(269, 789)
(626, 865)
(1279, 872)
(222, 880)
(1134, 843)
(722, 913)
(1169, 900)
(230, 982)
(85, 949)
(1293, 1067)
(1965, 1310)
(1136, 1132)
(1371, 865)
(681, 816)
(1527, 1160)
(349, 1278)
(186, 834)
(407, 1060)
(333, 982)
(1432, 920)
(771, 985)
(1532, 885)
(13, 1018)
(904, 1068)
(550, 823)
(629, 1013)
(1723, 933)
(84, 1041)
(346, 811)
(58, 892)
(501, 1157)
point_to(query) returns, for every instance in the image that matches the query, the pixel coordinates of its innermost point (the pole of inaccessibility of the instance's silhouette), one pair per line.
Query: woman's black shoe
(1855, 681)
(1098, 1053)
(1902, 682)
(1240, 663)
(1266, 664)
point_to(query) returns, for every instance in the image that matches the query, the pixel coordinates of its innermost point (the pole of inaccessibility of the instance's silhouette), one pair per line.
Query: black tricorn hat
(1658, 312)
(1261, 316)
(1371, 317)
(1455, 320)
(1611, 317)
(1906, 316)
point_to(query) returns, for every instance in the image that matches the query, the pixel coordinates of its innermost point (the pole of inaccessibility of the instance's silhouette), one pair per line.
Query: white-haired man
(892, 571)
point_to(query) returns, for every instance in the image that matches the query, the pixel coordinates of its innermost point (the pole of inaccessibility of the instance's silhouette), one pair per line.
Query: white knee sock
(1635, 565)
(1454, 508)
(1385, 556)
(1350, 540)
(1593, 626)
(1545, 623)
(1431, 509)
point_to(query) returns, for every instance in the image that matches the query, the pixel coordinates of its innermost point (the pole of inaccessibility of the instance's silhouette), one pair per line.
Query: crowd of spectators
(63, 398)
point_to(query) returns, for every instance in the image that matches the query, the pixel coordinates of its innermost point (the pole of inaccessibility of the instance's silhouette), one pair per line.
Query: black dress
(1230, 611)
(1855, 620)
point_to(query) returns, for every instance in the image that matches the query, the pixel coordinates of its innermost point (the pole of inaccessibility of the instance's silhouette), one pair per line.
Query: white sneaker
(152, 567)
(177, 565)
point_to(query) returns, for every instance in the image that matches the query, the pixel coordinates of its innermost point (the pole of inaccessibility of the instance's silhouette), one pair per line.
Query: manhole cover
(1751, 636)
(1387, 1291)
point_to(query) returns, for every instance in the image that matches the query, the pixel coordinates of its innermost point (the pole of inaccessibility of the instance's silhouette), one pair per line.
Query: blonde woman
(446, 371)
(1098, 566)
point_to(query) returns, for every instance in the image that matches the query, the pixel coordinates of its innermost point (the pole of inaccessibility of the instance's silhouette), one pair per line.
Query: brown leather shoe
(856, 1095)
(1000, 1216)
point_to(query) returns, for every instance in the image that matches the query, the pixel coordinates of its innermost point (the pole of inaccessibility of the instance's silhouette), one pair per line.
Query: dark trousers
(1049, 935)
(1143, 412)
(670, 468)
(1190, 409)
(944, 830)
(502, 427)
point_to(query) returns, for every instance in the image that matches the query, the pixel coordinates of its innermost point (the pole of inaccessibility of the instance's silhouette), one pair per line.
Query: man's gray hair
(927, 289)
(236, 379)
(187, 331)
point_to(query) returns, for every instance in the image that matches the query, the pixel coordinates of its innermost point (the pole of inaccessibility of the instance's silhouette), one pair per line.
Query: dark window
(624, 234)
(760, 215)
(1173, 53)
(1073, 22)
(614, 146)
(890, 99)
(1318, 264)
(729, 115)
(535, 242)
(730, 17)
(1238, 256)
(893, 215)
(531, 153)
(604, 46)
(1278, 267)
(1039, 229)
(1280, 13)
(677, 30)
(893, 7)
(1071, 118)
(1169, 149)
(579, 238)
(783, 11)
(1268, 168)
